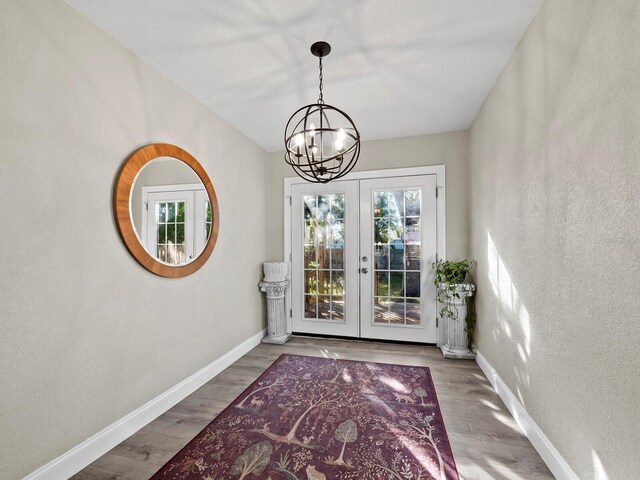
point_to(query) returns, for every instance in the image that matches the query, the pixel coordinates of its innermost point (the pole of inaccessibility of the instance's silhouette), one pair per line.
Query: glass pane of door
(397, 256)
(169, 224)
(324, 256)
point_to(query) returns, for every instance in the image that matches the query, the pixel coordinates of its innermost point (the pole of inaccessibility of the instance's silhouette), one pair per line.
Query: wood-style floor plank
(486, 441)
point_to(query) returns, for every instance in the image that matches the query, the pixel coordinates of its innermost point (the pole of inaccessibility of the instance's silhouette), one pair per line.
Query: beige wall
(450, 149)
(86, 335)
(555, 179)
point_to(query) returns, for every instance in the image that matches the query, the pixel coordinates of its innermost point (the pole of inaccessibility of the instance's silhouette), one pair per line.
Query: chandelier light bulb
(298, 141)
(340, 138)
(312, 139)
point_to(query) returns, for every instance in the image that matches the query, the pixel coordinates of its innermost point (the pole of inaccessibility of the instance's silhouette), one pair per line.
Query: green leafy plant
(449, 275)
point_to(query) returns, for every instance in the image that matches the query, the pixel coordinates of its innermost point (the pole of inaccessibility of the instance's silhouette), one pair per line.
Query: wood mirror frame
(121, 207)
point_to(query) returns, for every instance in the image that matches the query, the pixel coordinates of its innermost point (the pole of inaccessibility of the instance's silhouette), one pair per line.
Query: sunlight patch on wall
(507, 294)
(518, 391)
(523, 356)
(525, 323)
(598, 468)
(492, 261)
(500, 278)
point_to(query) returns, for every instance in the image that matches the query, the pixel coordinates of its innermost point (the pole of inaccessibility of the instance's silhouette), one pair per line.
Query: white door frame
(194, 242)
(441, 222)
(146, 190)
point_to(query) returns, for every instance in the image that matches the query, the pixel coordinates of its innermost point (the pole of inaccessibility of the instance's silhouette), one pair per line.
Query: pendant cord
(320, 99)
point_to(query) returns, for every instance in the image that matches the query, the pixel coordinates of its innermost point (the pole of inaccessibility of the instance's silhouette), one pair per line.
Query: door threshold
(359, 339)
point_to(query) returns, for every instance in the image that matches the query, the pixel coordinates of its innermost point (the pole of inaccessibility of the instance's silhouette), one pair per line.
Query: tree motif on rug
(309, 418)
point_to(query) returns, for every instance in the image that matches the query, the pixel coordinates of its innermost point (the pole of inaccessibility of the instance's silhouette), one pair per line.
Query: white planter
(275, 271)
(454, 339)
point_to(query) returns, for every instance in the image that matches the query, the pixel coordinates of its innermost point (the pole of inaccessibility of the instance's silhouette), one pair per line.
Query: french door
(361, 258)
(177, 221)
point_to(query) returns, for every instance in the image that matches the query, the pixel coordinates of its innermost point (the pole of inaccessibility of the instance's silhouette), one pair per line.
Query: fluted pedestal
(455, 336)
(276, 314)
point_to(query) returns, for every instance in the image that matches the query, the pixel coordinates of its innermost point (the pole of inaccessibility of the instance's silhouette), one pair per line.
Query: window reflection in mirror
(170, 211)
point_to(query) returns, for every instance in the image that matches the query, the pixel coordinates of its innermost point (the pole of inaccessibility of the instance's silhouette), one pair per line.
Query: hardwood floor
(486, 441)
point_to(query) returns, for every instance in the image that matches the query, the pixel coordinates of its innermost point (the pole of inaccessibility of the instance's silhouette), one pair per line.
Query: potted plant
(455, 289)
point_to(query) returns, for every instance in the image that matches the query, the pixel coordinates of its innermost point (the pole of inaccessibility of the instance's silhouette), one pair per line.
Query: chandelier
(321, 142)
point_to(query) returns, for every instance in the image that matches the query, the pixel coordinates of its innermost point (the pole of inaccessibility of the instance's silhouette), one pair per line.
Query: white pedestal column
(276, 315)
(455, 335)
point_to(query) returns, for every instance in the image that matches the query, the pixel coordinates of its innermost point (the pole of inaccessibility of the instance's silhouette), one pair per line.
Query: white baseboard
(558, 466)
(81, 455)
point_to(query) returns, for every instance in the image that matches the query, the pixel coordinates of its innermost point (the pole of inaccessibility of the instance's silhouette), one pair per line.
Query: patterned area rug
(309, 418)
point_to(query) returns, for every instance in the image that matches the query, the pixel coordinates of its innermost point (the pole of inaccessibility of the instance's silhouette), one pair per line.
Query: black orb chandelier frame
(321, 142)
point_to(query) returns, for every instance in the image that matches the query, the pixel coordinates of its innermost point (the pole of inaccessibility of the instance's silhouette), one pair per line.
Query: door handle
(364, 270)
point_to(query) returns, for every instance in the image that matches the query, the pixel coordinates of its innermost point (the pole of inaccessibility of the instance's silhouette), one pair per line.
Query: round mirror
(166, 210)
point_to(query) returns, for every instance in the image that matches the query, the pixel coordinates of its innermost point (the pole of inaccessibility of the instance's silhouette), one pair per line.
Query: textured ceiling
(398, 68)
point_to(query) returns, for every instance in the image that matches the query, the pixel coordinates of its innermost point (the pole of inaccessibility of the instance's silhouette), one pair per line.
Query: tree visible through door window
(207, 207)
(397, 243)
(178, 223)
(170, 232)
(324, 241)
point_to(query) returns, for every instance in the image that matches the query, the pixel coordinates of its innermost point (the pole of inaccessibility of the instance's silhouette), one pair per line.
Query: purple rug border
(276, 362)
(199, 434)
